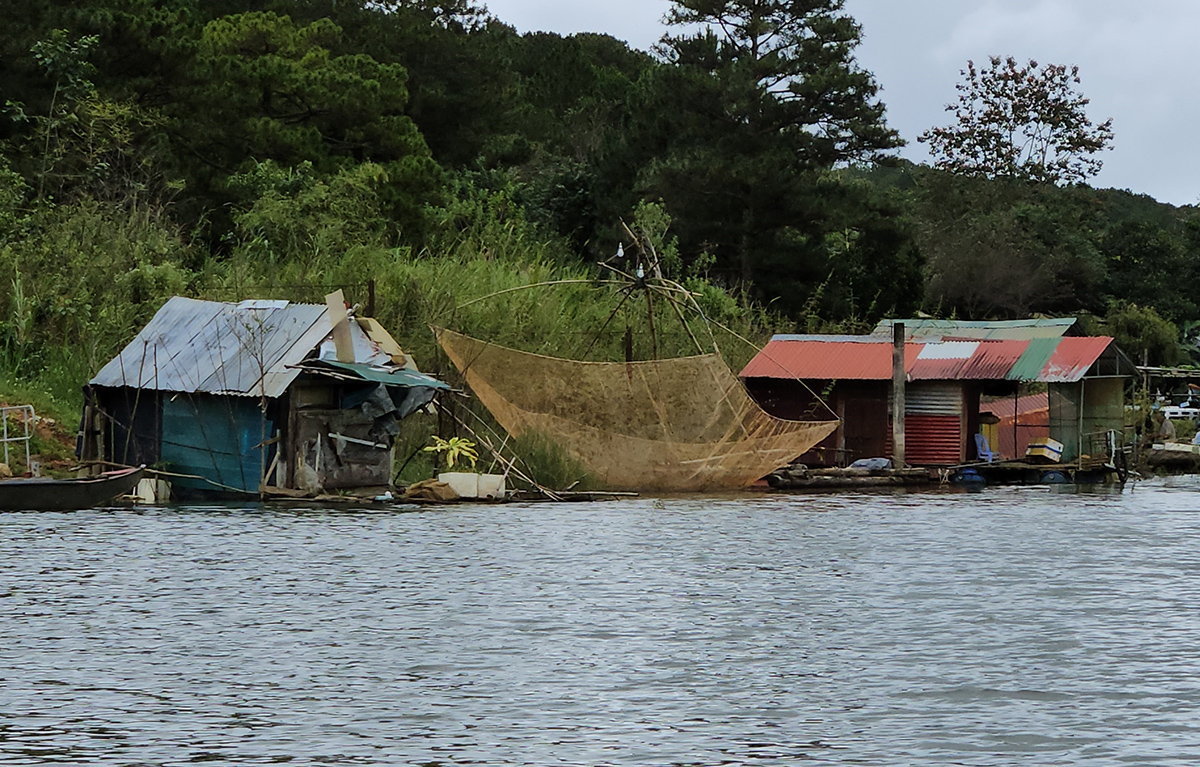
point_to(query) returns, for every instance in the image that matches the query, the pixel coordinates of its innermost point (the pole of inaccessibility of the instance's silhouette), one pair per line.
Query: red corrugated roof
(1072, 359)
(966, 360)
(994, 359)
(980, 360)
(821, 361)
(941, 362)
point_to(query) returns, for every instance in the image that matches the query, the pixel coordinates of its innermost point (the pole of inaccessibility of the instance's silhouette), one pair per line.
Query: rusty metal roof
(245, 349)
(965, 360)
(1051, 360)
(1072, 359)
(941, 362)
(994, 360)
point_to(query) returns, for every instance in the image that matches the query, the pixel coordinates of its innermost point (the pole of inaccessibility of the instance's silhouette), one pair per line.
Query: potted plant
(467, 484)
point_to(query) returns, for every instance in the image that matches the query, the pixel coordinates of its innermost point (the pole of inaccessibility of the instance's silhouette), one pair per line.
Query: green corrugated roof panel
(1029, 365)
(391, 377)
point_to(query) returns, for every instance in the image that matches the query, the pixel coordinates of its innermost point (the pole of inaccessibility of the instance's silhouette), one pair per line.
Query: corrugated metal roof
(389, 376)
(145, 362)
(246, 349)
(856, 339)
(993, 360)
(256, 342)
(1033, 359)
(1040, 359)
(820, 360)
(281, 375)
(940, 362)
(1006, 330)
(966, 360)
(1073, 358)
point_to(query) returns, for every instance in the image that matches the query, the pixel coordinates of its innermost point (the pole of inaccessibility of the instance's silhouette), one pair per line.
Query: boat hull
(48, 494)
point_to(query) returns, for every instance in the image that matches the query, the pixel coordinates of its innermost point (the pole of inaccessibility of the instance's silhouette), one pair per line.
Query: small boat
(49, 494)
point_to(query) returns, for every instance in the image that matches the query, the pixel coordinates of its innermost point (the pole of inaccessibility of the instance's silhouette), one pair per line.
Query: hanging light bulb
(620, 250)
(640, 272)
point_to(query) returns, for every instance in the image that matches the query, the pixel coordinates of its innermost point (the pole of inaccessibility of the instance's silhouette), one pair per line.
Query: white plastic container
(151, 491)
(471, 485)
(465, 483)
(491, 486)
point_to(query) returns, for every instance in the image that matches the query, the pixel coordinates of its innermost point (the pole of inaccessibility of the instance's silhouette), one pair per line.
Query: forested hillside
(236, 148)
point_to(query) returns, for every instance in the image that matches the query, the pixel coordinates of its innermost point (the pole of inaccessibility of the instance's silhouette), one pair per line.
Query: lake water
(1017, 626)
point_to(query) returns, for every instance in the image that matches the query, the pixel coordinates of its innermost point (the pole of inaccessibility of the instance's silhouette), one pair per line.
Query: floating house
(254, 397)
(948, 370)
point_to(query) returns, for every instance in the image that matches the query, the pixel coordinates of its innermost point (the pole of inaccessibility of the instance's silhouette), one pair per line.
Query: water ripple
(1011, 626)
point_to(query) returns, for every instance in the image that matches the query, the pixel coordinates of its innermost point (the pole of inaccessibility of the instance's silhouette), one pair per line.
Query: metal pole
(898, 395)
(30, 418)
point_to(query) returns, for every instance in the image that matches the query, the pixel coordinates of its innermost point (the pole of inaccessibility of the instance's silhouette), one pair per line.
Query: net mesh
(675, 425)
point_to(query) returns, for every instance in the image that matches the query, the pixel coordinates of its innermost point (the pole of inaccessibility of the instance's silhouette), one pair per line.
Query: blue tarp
(216, 438)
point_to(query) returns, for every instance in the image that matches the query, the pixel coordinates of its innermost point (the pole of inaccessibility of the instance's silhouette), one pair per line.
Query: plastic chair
(983, 448)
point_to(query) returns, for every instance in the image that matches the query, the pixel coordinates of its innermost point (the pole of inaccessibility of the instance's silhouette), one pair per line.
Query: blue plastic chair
(983, 448)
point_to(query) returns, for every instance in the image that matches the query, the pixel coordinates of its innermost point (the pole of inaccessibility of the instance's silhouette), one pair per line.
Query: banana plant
(454, 449)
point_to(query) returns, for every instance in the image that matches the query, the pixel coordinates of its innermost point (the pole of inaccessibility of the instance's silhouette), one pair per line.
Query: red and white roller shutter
(933, 424)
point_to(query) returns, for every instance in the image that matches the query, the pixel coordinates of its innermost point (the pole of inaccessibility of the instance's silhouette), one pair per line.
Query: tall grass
(485, 247)
(82, 280)
(86, 277)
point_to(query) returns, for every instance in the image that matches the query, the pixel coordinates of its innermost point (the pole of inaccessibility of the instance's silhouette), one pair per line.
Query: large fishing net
(676, 425)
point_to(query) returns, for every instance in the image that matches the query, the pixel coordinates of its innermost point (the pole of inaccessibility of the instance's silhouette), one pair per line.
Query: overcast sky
(1136, 60)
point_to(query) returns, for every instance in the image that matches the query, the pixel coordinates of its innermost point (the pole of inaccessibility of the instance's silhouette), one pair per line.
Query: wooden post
(1017, 422)
(98, 431)
(290, 445)
(85, 434)
(371, 297)
(842, 456)
(343, 342)
(1079, 439)
(898, 395)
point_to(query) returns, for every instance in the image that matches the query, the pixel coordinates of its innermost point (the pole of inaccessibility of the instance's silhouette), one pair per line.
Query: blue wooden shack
(255, 397)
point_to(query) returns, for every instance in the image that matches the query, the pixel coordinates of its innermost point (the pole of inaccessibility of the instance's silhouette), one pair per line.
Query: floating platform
(803, 478)
(1086, 472)
(970, 475)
